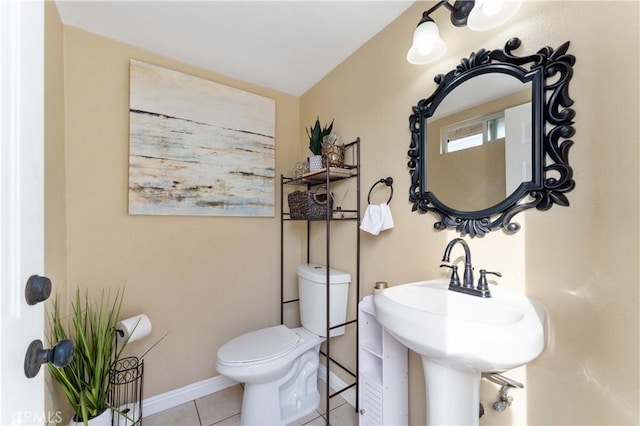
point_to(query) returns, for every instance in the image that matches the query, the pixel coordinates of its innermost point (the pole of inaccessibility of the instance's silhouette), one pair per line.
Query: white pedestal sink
(459, 337)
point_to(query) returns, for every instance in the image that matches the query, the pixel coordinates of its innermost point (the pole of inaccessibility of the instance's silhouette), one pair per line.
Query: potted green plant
(316, 134)
(92, 328)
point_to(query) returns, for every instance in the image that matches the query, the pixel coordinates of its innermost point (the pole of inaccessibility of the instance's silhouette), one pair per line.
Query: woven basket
(309, 205)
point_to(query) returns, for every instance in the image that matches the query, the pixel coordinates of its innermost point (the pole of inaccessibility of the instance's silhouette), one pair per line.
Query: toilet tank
(312, 290)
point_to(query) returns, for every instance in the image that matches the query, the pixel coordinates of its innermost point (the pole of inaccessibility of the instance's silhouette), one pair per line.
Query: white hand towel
(387, 222)
(377, 217)
(372, 219)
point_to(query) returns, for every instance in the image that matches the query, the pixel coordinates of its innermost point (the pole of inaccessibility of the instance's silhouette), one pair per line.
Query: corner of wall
(55, 193)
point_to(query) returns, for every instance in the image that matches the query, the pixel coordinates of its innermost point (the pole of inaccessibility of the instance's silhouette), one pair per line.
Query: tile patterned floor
(223, 408)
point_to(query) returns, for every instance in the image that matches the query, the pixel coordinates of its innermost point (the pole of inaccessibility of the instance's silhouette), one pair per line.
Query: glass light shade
(488, 14)
(427, 45)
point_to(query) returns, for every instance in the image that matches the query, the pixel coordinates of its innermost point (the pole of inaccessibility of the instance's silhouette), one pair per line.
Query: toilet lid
(259, 345)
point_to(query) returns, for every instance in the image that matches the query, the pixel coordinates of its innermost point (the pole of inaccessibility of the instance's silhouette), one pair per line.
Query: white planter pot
(315, 162)
(103, 419)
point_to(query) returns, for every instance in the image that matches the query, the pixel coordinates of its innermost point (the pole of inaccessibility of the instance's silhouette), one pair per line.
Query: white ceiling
(283, 45)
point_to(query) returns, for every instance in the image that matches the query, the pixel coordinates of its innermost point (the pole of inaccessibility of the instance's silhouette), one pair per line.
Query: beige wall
(580, 261)
(203, 280)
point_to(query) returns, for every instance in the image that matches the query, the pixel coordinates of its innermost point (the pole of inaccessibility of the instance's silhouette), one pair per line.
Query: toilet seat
(258, 346)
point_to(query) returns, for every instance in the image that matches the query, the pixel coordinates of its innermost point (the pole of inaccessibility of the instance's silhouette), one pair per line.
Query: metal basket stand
(126, 391)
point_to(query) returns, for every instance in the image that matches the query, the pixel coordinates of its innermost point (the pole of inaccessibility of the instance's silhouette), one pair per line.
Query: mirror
(482, 126)
(492, 140)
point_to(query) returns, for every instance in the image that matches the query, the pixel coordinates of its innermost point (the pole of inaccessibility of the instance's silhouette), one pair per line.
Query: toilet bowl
(278, 365)
(279, 369)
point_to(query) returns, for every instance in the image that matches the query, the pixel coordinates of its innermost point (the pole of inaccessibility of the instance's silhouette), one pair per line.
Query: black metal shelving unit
(328, 175)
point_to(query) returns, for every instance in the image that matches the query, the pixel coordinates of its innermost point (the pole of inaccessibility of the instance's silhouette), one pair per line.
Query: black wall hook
(387, 181)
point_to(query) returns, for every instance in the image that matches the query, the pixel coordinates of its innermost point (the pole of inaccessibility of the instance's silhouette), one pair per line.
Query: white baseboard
(176, 397)
(173, 398)
(336, 382)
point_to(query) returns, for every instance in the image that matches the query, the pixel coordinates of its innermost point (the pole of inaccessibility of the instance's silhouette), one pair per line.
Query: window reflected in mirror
(471, 164)
(472, 133)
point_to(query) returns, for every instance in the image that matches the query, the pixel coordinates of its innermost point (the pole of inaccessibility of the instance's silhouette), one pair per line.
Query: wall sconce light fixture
(478, 15)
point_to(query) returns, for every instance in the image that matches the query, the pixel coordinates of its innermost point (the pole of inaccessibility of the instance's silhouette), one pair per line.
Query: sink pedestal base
(453, 395)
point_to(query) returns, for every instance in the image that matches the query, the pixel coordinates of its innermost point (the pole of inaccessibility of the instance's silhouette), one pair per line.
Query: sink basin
(460, 336)
(489, 335)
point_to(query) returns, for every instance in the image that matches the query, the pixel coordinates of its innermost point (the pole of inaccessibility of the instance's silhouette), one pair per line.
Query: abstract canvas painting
(197, 147)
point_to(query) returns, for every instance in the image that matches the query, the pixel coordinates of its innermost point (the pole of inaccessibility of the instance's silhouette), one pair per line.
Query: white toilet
(279, 365)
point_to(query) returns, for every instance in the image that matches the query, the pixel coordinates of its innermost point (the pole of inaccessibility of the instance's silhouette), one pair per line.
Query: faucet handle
(455, 279)
(483, 285)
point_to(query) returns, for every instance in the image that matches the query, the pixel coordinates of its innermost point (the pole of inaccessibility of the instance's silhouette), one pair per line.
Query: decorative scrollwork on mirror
(544, 77)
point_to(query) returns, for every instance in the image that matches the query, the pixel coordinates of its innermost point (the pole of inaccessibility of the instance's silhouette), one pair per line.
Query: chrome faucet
(467, 287)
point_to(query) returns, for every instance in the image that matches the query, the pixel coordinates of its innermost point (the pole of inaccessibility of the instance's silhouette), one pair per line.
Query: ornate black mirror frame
(549, 72)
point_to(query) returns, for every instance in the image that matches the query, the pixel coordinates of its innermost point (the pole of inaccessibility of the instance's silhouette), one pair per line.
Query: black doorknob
(38, 289)
(60, 355)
